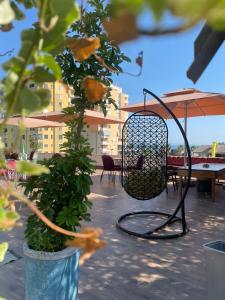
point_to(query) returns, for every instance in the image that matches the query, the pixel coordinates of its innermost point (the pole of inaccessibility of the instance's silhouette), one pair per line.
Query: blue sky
(166, 60)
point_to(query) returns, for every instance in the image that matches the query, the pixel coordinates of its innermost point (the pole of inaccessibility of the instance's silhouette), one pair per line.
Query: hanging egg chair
(144, 171)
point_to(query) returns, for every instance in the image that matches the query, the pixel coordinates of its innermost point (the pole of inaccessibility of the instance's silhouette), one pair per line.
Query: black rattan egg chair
(145, 140)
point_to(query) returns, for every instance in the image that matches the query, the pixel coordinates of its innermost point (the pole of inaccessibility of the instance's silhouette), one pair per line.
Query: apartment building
(49, 140)
(104, 139)
(109, 137)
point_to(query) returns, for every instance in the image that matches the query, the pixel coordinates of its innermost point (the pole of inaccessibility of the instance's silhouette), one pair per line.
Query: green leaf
(121, 7)
(3, 249)
(158, 8)
(29, 100)
(12, 215)
(9, 83)
(50, 62)
(44, 97)
(2, 161)
(28, 168)
(8, 219)
(3, 202)
(54, 40)
(6, 12)
(28, 3)
(14, 64)
(190, 9)
(216, 17)
(43, 75)
(18, 13)
(30, 35)
(25, 49)
(64, 10)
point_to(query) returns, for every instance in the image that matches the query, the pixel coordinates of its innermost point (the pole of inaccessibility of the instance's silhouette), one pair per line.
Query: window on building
(60, 104)
(51, 136)
(6, 145)
(5, 130)
(45, 145)
(46, 136)
(46, 128)
(60, 137)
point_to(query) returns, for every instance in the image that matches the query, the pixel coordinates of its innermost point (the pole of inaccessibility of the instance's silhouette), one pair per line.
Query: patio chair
(139, 164)
(171, 176)
(145, 135)
(110, 167)
(14, 156)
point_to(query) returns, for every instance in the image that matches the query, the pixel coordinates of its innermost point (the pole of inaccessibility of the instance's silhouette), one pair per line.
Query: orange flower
(89, 245)
(94, 89)
(83, 48)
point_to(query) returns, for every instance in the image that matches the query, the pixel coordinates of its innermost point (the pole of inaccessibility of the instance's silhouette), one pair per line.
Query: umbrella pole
(185, 130)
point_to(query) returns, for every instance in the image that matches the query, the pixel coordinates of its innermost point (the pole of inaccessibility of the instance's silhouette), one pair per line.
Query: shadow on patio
(130, 268)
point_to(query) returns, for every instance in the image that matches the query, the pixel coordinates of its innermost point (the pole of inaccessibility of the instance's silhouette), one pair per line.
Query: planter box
(215, 254)
(51, 275)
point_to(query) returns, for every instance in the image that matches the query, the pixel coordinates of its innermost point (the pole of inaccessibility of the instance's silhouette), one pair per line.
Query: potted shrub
(60, 193)
(51, 268)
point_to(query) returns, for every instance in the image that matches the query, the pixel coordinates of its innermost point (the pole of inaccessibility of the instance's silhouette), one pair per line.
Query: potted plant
(51, 268)
(62, 194)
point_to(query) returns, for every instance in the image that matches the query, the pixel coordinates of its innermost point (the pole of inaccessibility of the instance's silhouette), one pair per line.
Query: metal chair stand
(145, 134)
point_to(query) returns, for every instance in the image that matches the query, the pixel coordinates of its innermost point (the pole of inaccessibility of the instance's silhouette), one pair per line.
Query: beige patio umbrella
(31, 123)
(91, 117)
(185, 103)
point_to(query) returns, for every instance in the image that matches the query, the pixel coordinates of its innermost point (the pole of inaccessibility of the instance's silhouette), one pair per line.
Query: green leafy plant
(62, 197)
(63, 193)
(34, 61)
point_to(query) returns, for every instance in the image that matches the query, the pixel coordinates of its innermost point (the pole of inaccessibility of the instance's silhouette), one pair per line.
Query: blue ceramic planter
(51, 275)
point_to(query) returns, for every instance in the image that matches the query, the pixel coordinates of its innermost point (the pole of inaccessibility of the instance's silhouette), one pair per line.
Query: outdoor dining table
(211, 171)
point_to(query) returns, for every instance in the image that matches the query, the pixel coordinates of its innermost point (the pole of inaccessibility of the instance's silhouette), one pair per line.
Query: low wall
(179, 160)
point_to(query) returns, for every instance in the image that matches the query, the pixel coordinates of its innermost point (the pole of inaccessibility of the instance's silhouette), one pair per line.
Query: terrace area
(131, 268)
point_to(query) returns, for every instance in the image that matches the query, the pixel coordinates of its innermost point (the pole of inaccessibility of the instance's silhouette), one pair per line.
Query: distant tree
(193, 148)
(169, 149)
(180, 150)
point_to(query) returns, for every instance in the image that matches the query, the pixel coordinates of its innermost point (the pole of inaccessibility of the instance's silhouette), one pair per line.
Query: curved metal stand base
(153, 234)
